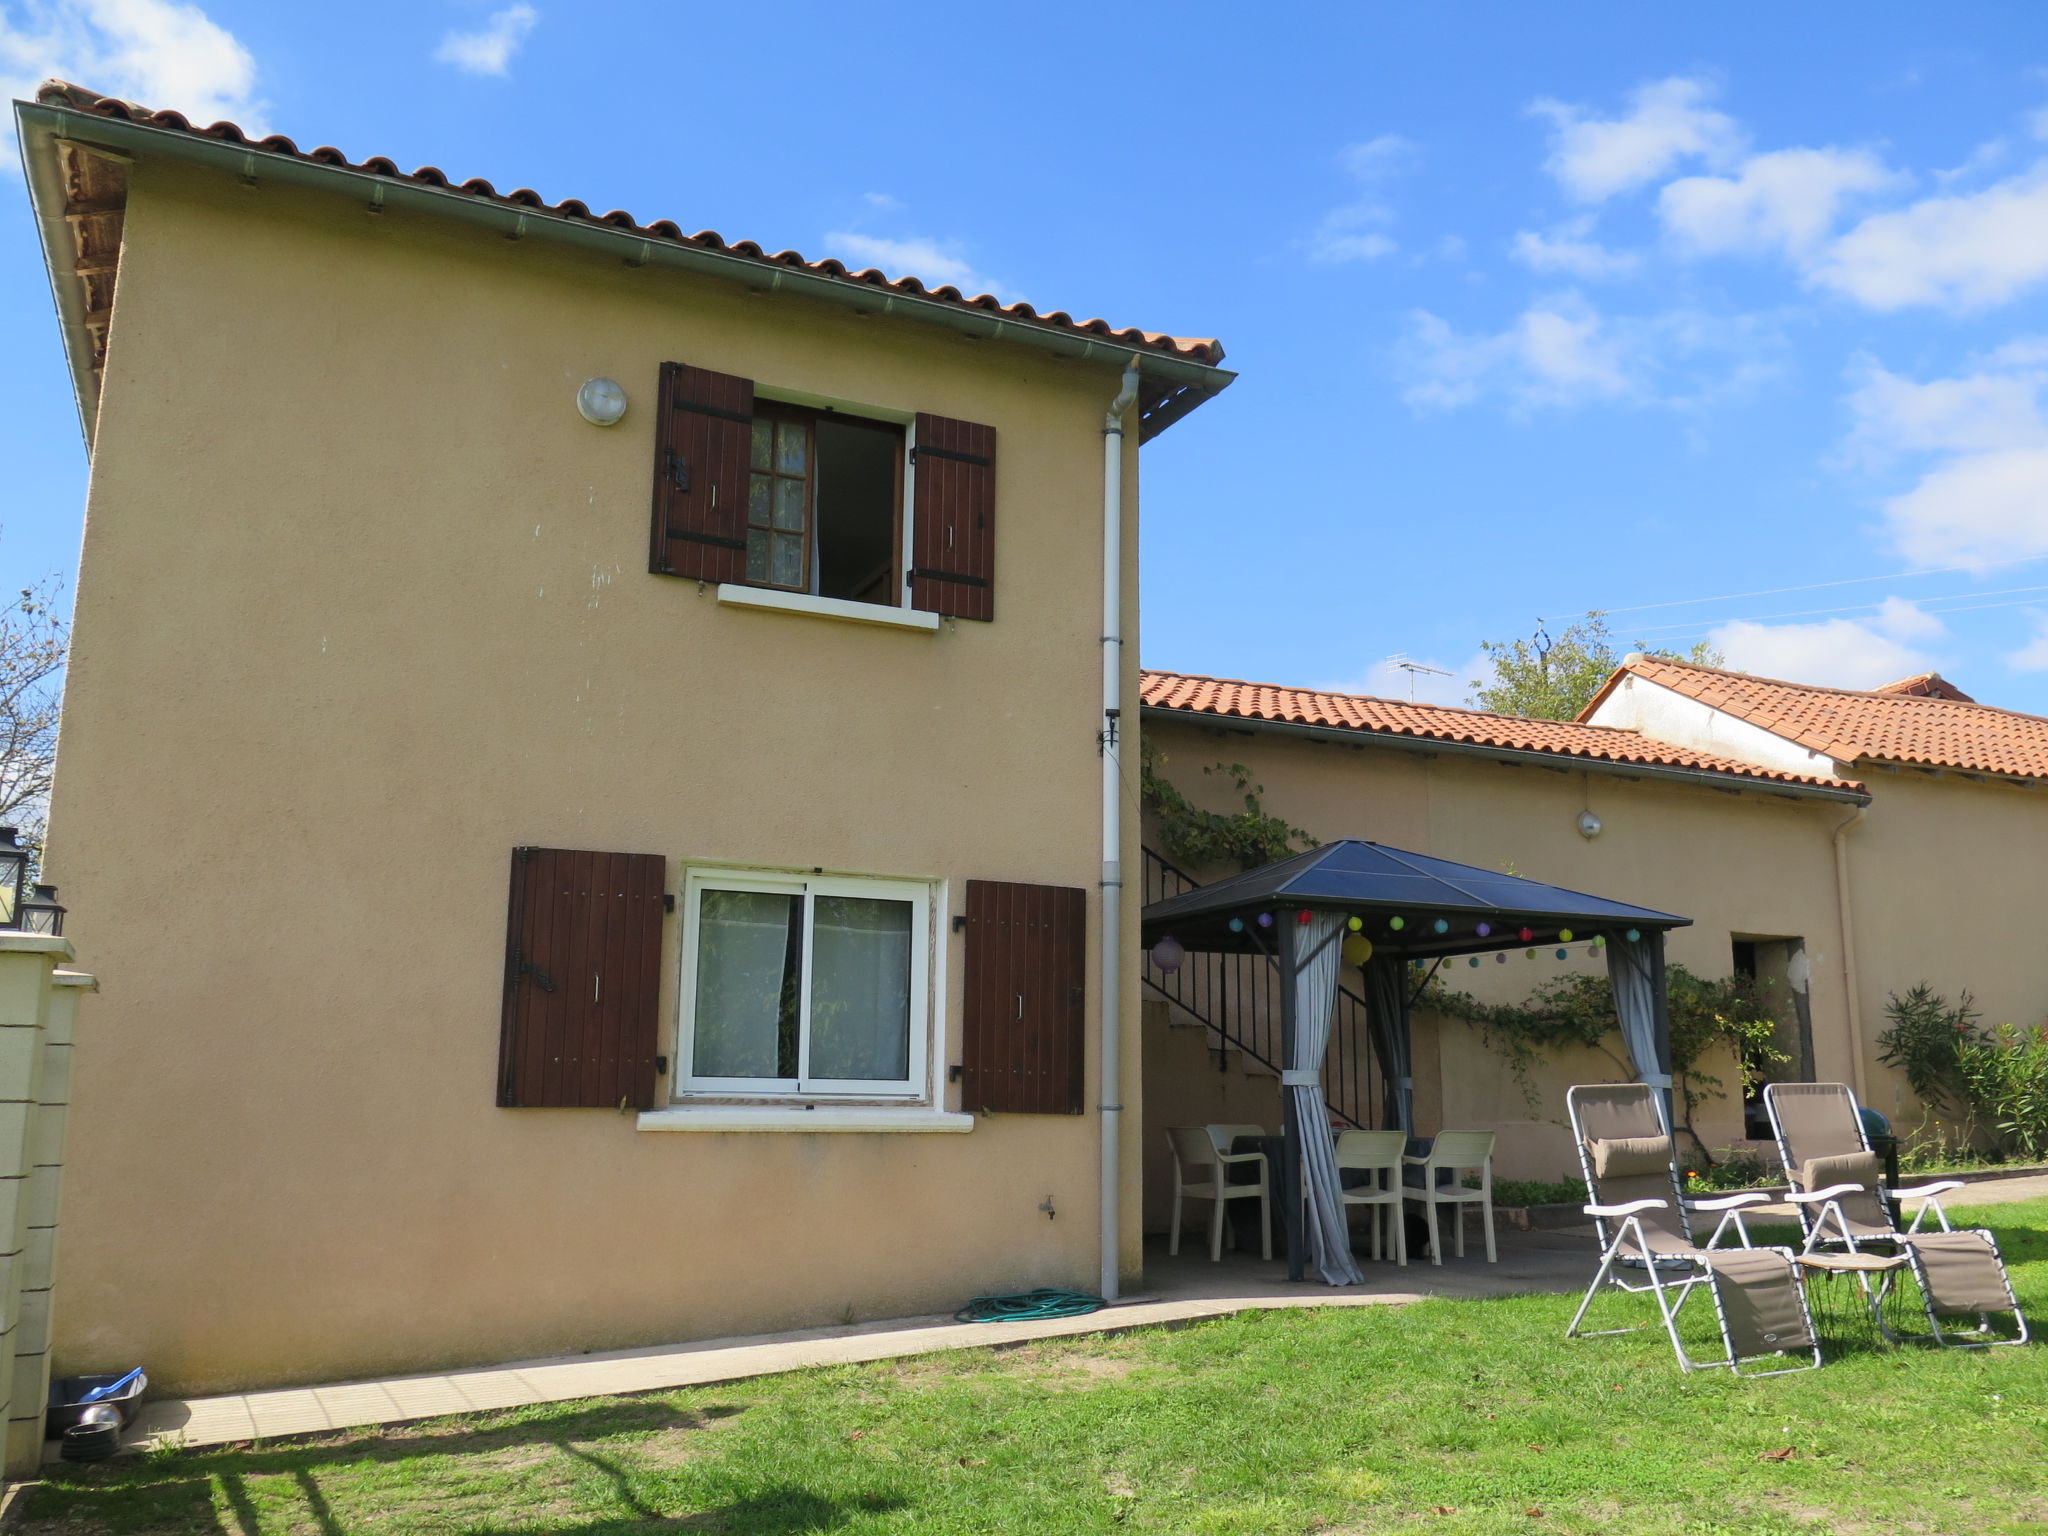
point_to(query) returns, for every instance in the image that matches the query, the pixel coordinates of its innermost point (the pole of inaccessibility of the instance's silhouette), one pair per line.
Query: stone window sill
(827, 608)
(726, 1117)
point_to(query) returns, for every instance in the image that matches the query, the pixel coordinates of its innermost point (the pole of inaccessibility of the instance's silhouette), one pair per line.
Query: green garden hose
(1026, 1305)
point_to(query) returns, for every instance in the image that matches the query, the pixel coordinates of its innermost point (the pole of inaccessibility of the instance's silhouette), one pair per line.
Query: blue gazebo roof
(1381, 884)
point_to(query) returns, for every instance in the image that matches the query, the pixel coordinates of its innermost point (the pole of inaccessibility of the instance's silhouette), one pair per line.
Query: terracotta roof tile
(1928, 685)
(1925, 721)
(59, 93)
(1436, 722)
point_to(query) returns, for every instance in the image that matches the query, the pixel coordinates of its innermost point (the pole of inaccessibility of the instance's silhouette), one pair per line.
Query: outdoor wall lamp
(13, 871)
(41, 914)
(1589, 825)
(601, 402)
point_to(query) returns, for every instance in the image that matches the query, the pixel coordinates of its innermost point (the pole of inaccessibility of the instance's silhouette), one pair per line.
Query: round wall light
(1589, 824)
(601, 402)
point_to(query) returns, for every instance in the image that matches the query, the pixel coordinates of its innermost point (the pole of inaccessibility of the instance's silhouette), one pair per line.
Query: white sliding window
(804, 986)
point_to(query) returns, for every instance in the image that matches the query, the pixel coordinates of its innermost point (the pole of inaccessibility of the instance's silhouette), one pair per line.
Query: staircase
(1235, 1001)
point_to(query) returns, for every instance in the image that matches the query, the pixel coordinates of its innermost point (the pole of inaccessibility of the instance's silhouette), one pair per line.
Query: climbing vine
(1578, 1010)
(1196, 838)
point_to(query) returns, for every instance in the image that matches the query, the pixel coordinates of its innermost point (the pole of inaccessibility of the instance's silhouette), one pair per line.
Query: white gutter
(1113, 827)
(1846, 915)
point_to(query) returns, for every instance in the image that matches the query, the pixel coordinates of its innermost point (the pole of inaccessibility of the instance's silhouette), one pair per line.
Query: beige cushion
(1859, 1168)
(1631, 1157)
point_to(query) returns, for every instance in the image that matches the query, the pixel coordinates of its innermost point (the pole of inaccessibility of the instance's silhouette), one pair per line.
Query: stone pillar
(39, 1251)
(28, 963)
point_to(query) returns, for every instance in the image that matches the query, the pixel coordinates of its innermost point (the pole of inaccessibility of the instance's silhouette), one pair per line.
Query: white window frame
(912, 1088)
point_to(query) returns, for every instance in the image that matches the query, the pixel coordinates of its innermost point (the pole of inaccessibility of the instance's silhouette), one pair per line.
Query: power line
(1811, 586)
(1702, 634)
(1807, 613)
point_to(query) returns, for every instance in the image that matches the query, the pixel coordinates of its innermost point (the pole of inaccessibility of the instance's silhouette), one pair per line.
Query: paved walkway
(1181, 1290)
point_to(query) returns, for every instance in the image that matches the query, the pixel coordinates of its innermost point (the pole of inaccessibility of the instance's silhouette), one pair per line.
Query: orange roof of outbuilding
(1372, 716)
(1908, 722)
(59, 93)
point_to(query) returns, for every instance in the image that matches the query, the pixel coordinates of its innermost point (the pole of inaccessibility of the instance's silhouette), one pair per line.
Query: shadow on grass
(210, 1490)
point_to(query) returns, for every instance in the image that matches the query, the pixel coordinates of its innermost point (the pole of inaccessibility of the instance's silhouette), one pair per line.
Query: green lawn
(1445, 1417)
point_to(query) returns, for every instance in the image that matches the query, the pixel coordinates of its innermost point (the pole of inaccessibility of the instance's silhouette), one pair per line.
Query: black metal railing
(1237, 999)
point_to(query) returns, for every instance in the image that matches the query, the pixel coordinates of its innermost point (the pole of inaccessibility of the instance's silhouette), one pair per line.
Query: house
(583, 769)
(1838, 845)
(1934, 871)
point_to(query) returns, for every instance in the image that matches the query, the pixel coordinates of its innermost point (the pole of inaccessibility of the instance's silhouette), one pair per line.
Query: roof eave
(40, 125)
(37, 136)
(1727, 783)
(1585, 715)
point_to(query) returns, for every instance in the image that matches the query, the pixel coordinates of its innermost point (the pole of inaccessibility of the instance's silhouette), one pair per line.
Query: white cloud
(1838, 653)
(1968, 251)
(931, 262)
(1561, 351)
(1786, 200)
(1987, 410)
(881, 200)
(1556, 352)
(157, 52)
(1354, 232)
(1668, 122)
(1984, 495)
(2033, 656)
(1976, 509)
(1567, 249)
(489, 51)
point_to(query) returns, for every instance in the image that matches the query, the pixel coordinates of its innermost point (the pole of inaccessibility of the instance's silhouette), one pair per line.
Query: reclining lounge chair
(1646, 1242)
(1844, 1208)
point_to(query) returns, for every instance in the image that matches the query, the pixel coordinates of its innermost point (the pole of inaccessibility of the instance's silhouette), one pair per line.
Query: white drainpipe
(1113, 824)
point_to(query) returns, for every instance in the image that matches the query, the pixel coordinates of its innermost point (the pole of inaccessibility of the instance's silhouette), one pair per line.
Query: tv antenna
(1401, 663)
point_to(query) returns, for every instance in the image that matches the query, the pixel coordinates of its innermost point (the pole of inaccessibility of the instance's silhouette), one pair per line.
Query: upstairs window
(824, 504)
(759, 493)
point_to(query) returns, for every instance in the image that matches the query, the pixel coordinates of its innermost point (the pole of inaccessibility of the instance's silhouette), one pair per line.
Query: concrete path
(1183, 1289)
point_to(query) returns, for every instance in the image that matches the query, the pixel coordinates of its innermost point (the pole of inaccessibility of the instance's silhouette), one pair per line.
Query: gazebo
(1392, 914)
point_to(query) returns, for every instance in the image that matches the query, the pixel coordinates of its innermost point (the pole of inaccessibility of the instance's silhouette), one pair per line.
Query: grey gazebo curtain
(1386, 999)
(1315, 995)
(1636, 969)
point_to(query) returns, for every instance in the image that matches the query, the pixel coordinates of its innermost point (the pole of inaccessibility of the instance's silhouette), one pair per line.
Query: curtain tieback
(1301, 1077)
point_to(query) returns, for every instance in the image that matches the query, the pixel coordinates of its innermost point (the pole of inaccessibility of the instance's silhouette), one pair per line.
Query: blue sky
(1538, 308)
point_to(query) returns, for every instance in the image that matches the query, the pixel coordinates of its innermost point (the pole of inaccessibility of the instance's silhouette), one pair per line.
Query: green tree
(33, 640)
(1553, 678)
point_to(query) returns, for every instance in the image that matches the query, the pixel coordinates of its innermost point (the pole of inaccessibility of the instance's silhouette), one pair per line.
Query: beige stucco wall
(1944, 873)
(364, 605)
(1750, 864)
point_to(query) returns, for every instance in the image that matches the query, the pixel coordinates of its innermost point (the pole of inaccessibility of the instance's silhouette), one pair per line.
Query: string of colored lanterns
(1169, 954)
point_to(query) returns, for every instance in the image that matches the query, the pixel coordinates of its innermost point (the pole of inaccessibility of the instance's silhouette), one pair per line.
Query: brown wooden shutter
(953, 519)
(582, 975)
(1027, 951)
(703, 436)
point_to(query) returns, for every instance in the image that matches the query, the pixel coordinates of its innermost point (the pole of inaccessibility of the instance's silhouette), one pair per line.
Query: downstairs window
(804, 986)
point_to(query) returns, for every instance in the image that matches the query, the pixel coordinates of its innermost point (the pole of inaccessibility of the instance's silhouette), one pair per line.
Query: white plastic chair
(1455, 1153)
(1200, 1172)
(1378, 1153)
(1225, 1135)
